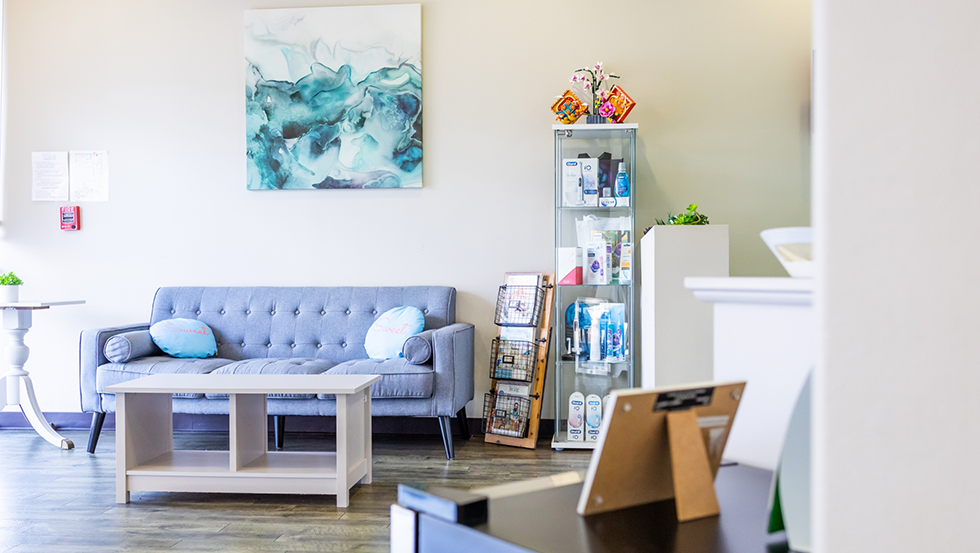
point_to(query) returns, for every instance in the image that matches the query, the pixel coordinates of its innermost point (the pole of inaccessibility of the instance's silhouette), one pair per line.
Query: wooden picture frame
(661, 444)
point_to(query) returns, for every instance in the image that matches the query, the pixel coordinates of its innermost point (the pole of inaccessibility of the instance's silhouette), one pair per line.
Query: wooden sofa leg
(447, 437)
(93, 435)
(280, 423)
(464, 425)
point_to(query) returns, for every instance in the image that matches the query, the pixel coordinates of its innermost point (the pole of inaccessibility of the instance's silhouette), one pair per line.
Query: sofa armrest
(91, 355)
(452, 360)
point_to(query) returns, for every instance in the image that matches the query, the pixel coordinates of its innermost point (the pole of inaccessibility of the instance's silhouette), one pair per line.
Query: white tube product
(595, 333)
(576, 417)
(576, 332)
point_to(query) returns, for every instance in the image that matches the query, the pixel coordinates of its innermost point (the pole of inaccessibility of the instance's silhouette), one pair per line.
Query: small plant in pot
(690, 217)
(9, 287)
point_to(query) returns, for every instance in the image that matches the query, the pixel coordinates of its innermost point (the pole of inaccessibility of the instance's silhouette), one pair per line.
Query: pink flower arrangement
(607, 110)
(592, 80)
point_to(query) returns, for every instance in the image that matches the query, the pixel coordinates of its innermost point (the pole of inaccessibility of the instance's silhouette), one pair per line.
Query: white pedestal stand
(16, 323)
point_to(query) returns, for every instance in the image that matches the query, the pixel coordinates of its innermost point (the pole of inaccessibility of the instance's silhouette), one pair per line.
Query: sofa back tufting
(327, 323)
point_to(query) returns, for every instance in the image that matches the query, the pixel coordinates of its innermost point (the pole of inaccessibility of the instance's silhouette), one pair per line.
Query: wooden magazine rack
(526, 433)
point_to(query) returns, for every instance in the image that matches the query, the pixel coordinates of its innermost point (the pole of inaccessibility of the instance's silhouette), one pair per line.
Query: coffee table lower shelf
(209, 472)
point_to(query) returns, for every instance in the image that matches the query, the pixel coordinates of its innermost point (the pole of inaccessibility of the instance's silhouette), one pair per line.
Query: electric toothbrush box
(626, 263)
(597, 263)
(571, 182)
(570, 265)
(576, 417)
(593, 417)
(611, 238)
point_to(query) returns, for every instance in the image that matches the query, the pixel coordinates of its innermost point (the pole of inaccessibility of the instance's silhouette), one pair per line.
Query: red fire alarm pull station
(70, 217)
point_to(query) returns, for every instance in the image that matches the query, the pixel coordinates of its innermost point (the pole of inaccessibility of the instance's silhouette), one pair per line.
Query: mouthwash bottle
(622, 186)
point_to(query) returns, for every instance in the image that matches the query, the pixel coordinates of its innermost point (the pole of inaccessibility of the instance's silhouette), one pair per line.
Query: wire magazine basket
(513, 359)
(505, 415)
(519, 305)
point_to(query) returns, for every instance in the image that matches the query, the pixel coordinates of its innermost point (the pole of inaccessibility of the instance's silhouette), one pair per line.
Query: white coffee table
(146, 460)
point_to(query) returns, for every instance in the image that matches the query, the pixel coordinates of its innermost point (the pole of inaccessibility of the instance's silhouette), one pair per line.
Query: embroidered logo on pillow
(386, 336)
(184, 338)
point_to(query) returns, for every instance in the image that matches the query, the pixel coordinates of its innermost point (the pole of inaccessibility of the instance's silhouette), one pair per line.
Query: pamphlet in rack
(513, 389)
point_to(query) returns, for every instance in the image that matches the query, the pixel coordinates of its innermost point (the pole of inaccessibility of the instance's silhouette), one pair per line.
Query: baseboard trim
(219, 423)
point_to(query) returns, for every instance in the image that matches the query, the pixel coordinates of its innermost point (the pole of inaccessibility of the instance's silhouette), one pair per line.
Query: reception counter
(763, 334)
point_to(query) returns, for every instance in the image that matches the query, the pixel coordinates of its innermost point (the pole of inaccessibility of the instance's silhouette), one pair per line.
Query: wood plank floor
(64, 501)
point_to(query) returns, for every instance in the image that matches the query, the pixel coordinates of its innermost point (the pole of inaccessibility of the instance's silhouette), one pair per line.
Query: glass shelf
(624, 210)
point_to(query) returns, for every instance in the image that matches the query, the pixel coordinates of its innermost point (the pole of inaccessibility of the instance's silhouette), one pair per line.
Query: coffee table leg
(367, 435)
(343, 490)
(122, 452)
(144, 431)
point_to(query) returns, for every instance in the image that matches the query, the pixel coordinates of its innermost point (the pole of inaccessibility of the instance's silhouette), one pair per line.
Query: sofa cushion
(275, 366)
(417, 350)
(184, 338)
(130, 345)
(399, 378)
(115, 373)
(386, 336)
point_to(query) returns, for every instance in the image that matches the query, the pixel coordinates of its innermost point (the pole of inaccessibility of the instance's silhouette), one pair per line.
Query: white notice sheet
(49, 176)
(89, 176)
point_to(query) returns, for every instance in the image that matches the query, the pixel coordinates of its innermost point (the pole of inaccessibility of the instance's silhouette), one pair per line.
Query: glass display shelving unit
(594, 321)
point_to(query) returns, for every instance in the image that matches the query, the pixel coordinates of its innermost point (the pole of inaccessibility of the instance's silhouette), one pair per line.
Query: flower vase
(9, 294)
(595, 119)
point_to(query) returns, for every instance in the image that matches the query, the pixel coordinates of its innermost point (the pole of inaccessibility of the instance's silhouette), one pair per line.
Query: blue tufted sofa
(310, 330)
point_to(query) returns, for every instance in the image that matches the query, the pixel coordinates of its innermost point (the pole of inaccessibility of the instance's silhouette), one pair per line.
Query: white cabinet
(676, 327)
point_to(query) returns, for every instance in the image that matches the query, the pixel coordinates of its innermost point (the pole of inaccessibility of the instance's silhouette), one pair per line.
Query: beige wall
(896, 442)
(722, 91)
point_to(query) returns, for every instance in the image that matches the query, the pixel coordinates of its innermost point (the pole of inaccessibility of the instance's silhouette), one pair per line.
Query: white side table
(16, 323)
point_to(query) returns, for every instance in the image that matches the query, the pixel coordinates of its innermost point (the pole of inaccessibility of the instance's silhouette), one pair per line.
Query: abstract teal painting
(333, 97)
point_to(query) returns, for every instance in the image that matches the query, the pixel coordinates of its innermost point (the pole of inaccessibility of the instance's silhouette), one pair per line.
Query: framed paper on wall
(334, 97)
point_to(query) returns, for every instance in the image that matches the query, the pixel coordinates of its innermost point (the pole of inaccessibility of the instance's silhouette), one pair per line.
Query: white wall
(896, 173)
(722, 91)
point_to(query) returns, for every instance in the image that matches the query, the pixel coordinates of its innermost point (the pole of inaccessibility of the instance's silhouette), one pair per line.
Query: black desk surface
(546, 521)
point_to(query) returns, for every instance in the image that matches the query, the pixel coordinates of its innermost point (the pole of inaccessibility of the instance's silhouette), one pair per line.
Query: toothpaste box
(569, 265)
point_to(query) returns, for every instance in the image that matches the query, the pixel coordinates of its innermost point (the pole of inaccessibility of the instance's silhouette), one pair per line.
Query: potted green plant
(9, 287)
(691, 217)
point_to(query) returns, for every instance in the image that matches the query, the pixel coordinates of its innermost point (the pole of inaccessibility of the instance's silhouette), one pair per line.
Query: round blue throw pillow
(386, 336)
(184, 338)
